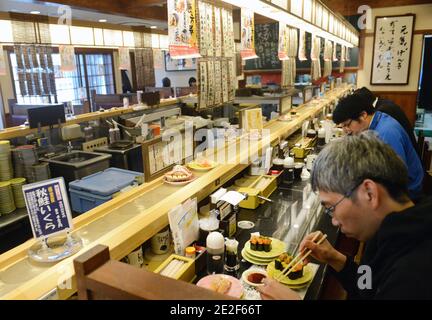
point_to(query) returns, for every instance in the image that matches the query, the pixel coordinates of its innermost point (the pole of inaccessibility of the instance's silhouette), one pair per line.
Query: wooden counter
(21, 131)
(129, 220)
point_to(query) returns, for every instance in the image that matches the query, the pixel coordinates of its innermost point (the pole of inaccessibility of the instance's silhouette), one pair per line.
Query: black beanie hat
(351, 107)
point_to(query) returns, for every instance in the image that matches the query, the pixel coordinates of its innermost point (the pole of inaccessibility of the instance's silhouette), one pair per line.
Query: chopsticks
(299, 258)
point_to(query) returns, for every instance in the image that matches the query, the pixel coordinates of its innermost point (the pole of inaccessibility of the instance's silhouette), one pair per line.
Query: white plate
(179, 183)
(246, 274)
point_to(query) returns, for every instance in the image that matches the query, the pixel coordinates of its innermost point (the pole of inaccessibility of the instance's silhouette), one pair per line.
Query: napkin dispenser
(178, 267)
(257, 192)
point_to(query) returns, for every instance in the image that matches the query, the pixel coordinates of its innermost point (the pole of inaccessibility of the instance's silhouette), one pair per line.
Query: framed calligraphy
(393, 39)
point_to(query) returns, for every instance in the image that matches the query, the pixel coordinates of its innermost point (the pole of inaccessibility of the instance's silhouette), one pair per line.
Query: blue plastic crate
(91, 191)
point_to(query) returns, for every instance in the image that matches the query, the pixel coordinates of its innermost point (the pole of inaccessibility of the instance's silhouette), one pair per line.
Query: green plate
(278, 247)
(257, 261)
(300, 282)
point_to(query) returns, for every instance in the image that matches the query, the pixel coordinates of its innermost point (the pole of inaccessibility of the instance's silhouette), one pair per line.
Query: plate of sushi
(179, 176)
(298, 278)
(223, 284)
(264, 247)
(202, 165)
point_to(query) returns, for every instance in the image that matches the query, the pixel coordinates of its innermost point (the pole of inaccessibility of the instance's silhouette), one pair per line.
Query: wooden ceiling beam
(141, 9)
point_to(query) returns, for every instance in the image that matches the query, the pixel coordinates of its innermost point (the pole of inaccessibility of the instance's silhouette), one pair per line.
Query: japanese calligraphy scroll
(217, 47)
(392, 50)
(67, 58)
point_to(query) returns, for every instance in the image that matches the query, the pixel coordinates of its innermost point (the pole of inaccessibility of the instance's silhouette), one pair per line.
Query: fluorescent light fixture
(102, 20)
(35, 12)
(153, 27)
(287, 18)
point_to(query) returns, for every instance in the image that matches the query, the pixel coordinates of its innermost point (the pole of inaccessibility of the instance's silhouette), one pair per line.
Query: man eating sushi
(362, 185)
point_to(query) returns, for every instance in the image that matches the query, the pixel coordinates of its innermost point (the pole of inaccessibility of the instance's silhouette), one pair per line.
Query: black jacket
(394, 111)
(400, 258)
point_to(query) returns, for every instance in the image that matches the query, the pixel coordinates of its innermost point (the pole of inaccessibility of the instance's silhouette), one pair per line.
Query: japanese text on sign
(48, 207)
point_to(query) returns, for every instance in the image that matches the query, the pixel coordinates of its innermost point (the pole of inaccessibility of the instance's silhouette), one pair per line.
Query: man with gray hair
(362, 185)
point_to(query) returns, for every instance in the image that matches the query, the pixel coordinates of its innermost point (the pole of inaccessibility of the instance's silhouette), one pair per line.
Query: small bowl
(248, 273)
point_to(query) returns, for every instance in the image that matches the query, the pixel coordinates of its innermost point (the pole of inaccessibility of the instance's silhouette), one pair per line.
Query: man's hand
(323, 252)
(273, 290)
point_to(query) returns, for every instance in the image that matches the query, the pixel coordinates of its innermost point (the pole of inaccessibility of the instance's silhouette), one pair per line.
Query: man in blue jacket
(355, 115)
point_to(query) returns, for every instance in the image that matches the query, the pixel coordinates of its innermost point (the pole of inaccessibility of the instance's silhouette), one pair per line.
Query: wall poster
(247, 35)
(182, 29)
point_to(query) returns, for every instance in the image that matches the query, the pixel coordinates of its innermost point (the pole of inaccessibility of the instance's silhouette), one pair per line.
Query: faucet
(69, 147)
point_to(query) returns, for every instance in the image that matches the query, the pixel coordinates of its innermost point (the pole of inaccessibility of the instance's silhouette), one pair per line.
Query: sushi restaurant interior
(170, 149)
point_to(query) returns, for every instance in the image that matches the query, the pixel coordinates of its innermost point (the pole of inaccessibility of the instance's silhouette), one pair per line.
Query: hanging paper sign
(283, 45)
(302, 46)
(48, 207)
(328, 50)
(67, 58)
(158, 58)
(182, 29)
(218, 32)
(313, 49)
(3, 70)
(247, 35)
(343, 55)
(124, 58)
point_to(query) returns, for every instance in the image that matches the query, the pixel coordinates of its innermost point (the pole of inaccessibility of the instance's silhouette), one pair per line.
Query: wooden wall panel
(407, 100)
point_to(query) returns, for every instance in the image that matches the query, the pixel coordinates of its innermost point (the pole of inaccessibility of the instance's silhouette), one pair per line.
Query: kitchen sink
(75, 165)
(76, 157)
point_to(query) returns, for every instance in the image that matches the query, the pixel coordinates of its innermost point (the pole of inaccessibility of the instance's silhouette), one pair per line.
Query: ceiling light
(153, 27)
(35, 12)
(102, 20)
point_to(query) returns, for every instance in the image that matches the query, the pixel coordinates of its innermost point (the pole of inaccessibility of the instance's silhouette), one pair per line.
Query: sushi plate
(236, 289)
(297, 283)
(197, 167)
(278, 247)
(254, 260)
(180, 183)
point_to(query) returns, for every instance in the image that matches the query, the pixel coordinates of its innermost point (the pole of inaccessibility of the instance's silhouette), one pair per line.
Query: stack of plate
(262, 258)
(7, 204)
(17, 185)
(299, 283)
(41, 171)
(24, 159)
(6, 172)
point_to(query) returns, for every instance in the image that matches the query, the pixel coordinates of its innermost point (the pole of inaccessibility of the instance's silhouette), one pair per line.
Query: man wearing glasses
(362, 185)
(354, 114)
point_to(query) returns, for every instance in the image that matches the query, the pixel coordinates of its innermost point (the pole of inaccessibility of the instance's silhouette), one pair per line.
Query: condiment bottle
(190, 252)
(215, 252)
(231, 256)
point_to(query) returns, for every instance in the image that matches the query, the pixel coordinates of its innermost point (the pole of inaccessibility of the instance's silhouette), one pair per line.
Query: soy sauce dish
(254, 277)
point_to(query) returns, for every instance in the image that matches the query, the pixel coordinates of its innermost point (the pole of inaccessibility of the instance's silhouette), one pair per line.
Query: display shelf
(21, 131)
(13, 217)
